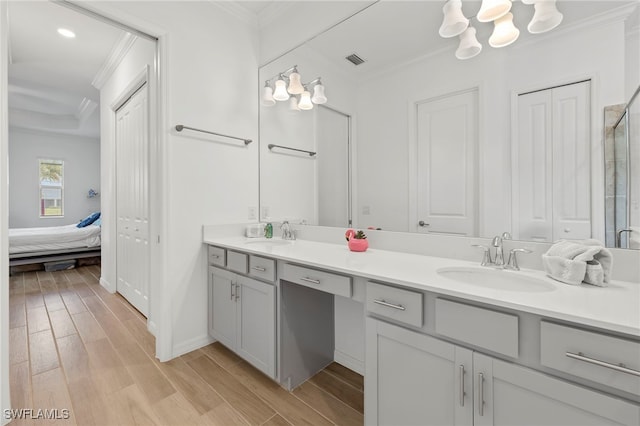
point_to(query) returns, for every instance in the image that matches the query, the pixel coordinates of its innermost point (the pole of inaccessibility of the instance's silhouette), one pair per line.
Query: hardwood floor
(76, 347)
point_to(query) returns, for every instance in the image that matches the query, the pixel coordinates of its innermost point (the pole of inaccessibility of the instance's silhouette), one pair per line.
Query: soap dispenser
(268, 230)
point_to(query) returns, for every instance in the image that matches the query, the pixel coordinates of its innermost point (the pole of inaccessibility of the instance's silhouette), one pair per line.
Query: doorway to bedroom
(66, 70)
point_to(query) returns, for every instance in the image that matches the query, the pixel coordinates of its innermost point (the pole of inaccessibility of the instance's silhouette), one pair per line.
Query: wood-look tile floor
(75, 346)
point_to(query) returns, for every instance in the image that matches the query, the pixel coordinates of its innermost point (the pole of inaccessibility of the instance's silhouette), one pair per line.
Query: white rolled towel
(575, 262)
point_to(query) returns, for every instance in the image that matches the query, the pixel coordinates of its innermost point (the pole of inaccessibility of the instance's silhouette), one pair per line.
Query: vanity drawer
(217, 256)
(320, 280)
(395, 303)
(237, 261)
(485, 328)
(591, 355)
(262, 267)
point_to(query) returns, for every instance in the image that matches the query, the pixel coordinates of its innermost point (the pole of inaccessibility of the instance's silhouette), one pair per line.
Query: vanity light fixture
(545, 18)
(289, 86)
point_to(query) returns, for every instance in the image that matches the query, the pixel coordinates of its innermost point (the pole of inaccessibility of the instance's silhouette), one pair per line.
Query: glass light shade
(454, 22)
(293, 104)
(545, 18)
(490, 10)
(305, 101)
(280, 94)
(318, 95)
(504, 32)
(528, 1)
(267, 96)
(295, 87)
(469, 45)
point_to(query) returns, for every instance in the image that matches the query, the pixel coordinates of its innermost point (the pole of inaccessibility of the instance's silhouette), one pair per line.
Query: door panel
(132, 200)
(222, 293)
(447, 135)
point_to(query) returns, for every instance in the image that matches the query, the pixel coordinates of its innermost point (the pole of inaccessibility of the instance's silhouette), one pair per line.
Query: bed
(39, 245)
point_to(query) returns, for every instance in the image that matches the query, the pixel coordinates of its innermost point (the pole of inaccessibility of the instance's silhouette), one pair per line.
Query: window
(51, 188)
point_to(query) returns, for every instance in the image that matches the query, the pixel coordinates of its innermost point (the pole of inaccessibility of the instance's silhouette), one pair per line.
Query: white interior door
(332, 142)
(447, 140)
(552, 165)
(132, 200)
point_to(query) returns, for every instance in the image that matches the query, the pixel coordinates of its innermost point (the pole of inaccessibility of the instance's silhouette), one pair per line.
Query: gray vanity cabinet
(242, 317)
(412, 379)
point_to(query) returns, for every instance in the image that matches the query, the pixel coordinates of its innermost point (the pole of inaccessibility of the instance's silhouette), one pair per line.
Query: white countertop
(614, 308)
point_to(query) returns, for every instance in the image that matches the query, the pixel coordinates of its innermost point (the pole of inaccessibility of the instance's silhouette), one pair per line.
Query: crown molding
(119, 51)
(235, 8)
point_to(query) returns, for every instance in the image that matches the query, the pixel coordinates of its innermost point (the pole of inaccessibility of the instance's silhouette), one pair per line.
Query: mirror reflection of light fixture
(295, 86)
(545, 18)
(469, 45)
(267, 95)
(504, 32)
(454, 22)
(280, 93)
(288, 85)
(318, 97)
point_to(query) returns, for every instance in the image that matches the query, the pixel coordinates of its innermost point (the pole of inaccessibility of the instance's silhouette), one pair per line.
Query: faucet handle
(506, 235)
(513, 260)
(486, 259)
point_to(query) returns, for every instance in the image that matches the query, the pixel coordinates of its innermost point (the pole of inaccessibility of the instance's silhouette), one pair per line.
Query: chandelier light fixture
(545, 18)
(288, 86)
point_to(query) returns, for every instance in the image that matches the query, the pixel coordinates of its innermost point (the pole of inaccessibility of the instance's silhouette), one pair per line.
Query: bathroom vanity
(440, 347)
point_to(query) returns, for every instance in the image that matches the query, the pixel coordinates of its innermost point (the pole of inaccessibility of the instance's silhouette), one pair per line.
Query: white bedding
(26, 240)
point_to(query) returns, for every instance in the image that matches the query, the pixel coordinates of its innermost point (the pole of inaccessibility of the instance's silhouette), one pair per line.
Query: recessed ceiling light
(66, 33)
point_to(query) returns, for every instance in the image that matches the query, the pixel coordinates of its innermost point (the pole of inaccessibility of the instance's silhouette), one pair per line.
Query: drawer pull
(310, 280)
(461, 385)
(389, 305)
(215, 256)
(259, 269)
(621, 368)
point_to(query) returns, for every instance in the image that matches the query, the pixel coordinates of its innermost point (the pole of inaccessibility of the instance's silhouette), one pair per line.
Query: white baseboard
(348, 361)
(104, 283)
(191, 345)
(152, 327)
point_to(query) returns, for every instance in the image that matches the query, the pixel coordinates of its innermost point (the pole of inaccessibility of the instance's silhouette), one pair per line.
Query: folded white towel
(575, 262)
(634, 237)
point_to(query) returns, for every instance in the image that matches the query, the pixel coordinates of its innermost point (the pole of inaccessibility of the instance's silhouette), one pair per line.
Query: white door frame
(159, 321)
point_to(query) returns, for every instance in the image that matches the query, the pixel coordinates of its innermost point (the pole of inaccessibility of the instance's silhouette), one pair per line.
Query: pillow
(88, 220)
(98, 222)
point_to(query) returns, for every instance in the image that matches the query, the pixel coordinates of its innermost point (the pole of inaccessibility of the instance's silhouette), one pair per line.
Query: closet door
(552, 165)
(132, 199)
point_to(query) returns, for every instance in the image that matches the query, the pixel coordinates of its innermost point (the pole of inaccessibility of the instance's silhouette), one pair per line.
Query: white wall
(81, 156)
(549, 60)
(210, 82)
(632, 52)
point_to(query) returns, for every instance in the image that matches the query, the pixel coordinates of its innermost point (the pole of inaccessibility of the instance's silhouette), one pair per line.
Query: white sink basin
(497, 279)
(269, 241)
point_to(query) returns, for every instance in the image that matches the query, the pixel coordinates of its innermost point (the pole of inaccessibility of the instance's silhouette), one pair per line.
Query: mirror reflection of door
(333, 181)
(552, 164)
(633, 112)
(447, 158)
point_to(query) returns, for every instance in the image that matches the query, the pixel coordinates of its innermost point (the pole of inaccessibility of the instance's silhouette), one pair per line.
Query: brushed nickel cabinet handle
(259, 268)
(310, 280)
(461, 385)
(619, 367)
(389, 305)
(481, 394)
(232, 295)
(237, 292)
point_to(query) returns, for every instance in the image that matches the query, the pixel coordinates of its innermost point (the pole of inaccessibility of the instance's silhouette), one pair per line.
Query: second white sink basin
(497, 279)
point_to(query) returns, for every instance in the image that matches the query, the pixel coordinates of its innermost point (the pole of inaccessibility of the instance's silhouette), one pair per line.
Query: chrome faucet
(287, 232)
(497, 243)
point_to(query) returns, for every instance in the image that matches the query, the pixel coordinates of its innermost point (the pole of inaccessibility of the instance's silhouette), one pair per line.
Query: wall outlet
(366, 210)
(264, 213)
(252, 213)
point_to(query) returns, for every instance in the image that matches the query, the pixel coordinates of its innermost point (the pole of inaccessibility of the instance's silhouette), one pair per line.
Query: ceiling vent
(355, 59)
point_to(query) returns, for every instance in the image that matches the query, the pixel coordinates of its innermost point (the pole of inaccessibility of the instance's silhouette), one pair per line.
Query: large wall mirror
(415, 140)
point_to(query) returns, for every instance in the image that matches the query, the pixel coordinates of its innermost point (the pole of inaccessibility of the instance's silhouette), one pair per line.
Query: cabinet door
(515, 395)
(413, 379)
(255, 340)
(222, 306)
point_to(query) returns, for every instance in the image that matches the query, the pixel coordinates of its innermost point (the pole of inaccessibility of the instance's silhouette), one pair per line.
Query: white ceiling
(50, 76)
